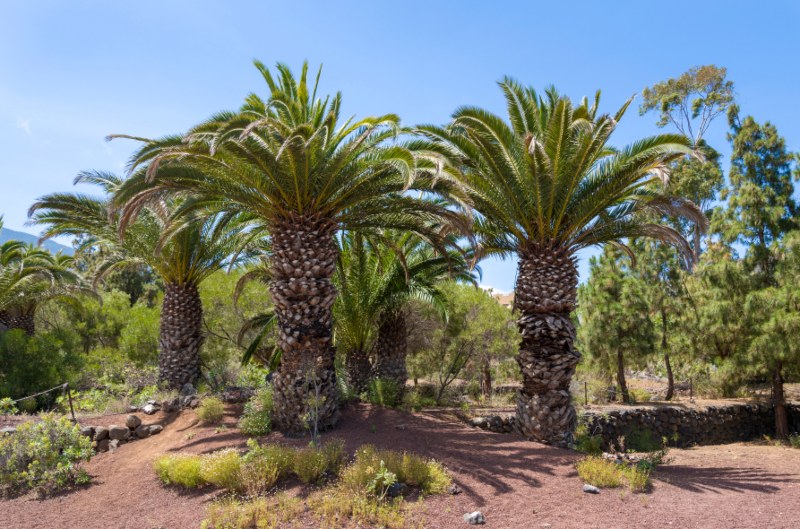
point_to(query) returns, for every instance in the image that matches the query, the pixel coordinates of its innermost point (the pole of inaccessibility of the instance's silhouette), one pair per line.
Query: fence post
(691, 389)
(585, 393)
(69, 398)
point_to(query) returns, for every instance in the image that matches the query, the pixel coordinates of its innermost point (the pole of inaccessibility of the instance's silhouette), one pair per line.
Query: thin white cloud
(25, 126)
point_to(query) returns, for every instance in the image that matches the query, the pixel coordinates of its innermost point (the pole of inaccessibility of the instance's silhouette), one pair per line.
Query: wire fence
(611, 393)
(65, 391)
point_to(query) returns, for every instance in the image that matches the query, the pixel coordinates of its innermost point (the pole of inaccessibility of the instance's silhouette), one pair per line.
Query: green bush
(180, 469)
(587, 443)
(794, 440)
(384, 392)
(30, 364)
(257, 417)
(138, 339)
(413, 470)
(416, 400)
(639, 395)
(310, 464)
(261, 513)
(223, 469)
(603, 473)
(211, 410)
(7, 406)
(44, 455)
(641, 440)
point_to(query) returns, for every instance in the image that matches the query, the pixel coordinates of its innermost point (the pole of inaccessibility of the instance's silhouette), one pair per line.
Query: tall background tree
(544, 186)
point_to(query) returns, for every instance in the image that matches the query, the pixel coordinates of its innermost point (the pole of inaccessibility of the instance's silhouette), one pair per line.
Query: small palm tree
(376, 280)
(183, 260)
(545, 185)
(303, 175)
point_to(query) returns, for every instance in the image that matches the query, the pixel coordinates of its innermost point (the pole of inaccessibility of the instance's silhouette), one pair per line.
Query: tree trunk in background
(545, 295)
(180, 335)
(5, 320)
(623, 386)
(486, 382)
(16, 318)
(358, 369)
(779, 403)
(664, 345)
(302, 265)
(391, 349)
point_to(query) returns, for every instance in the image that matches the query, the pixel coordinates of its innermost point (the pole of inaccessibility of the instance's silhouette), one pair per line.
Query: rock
(400, 426)
(172, 405)
(188, 389)
(149, 409)
(591, 489)
(155, 429)
(142, 431)
(133, 409)
(118, 433)
(195, 402)
(113, 444)
(132, 422)
(102, 445)
(397, 490)
(235, 395)
(88, 431)
(8, 430)
(480, 422)
(100, 433)
(454, 489)
(474, 518)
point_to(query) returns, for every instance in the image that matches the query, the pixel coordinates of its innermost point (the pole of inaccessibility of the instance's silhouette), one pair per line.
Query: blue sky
(73, 72)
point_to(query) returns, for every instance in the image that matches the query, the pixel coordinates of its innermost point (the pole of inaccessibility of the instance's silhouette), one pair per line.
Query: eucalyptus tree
(303, 174)
(545, 186)
(182, 259)
(377, 277)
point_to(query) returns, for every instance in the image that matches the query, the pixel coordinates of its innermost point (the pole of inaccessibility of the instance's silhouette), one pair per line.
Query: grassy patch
(794, 440)
(338, 508)
(384, 392)
(211, 410)
(180, 469)
(411, 469)
(603, 473)
(223, 469)
(257, 513)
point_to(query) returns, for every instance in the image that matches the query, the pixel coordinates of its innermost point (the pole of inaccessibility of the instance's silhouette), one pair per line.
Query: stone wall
(694, 426)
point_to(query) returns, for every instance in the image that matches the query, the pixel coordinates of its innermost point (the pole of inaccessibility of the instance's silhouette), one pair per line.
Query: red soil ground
(515, 483)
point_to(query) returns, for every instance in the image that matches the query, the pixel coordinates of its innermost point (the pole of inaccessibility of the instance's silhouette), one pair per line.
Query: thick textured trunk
(665, 349)
(359, 370)
(779, 403)
(15, 318)
(180, 335)
(303, 261)
(623, 385)
(545, 296)
(391, 348)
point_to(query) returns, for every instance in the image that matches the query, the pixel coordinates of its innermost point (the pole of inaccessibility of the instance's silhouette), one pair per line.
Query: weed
(603, 473)
(310, 464)
(223, 469)
(180, 469)
(258, 513)
(335, 508)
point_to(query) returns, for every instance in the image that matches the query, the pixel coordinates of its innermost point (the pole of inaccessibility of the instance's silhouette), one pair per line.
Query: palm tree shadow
(721, 479)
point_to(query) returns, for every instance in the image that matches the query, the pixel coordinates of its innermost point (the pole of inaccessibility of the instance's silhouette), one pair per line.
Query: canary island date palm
(304, 174)
(546, 184)
(376, 278)
(182, 260)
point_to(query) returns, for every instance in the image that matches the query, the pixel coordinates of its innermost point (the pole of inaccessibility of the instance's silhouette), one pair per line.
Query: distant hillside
(11, 235)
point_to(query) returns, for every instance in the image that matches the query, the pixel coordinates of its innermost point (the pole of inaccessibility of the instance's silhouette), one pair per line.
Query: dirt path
(515, 483)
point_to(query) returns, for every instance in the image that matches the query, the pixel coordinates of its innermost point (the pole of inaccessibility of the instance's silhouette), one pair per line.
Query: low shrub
(44, 456)
(639, 395)
(180, 469)
(411, 469)
(7, 406)
(416, 400)
(603, 473)
(640, 440)
(257, 417)
(794, 440)
(223, 469)
(384, 392)
(211, 410)
(258, 513)
(263, 466)
(335, 508)
(586, 442)
(310, 464)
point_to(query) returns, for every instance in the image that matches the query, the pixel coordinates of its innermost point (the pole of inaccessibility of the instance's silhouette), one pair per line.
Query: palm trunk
(391, 349)
(779, 403)
(16, 318)
(303, 261)
(358, 369)
(545, 295)
(180, 335)
(5, 320)
(664, 348)
(623, 386)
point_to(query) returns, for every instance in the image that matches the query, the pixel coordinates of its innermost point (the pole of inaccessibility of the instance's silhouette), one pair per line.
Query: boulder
(155, 429)
(132, 422)
(102, 445)
(100, 433)
(171, 405)
(474, 518)
(454, 489)
(118, 433)
(142, 431)
(149, 409)
(113, 444)
(188, 389)
(88, 431)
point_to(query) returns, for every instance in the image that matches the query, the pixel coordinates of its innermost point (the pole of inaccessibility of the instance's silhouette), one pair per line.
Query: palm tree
(303, 175)
(183, 260)
(545, 186)
(377, 280)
